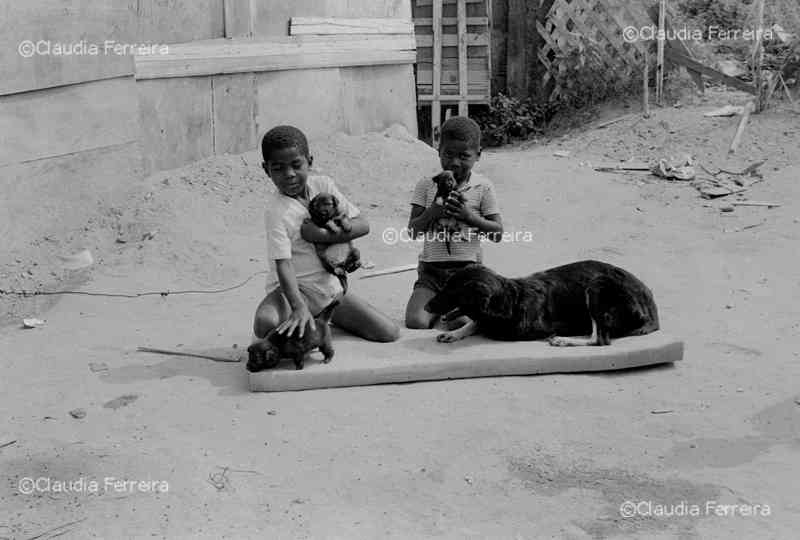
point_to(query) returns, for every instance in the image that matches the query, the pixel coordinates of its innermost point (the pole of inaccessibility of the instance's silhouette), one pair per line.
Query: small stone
(77, 413)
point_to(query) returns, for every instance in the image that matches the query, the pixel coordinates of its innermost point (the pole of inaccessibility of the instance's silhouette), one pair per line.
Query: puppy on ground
(338, 259)
(268, 352)
(578, 299)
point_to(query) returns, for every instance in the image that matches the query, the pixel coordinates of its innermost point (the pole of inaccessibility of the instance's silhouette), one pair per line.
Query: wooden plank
(436, 106)
(694, 65)
(234, 104)
(179, 21)
(241, 56)
(333, 25)
(238, 18)
(451, 21)
(422, 3)
(177, 121)
(517, 58)
(271, 18)
(677, 44)
(463, 77)
(477, 98)
(425, 54)
(452, 40)
(68, 119)
(74, 26)
(359, 363)
(662, 16)
(748, 109)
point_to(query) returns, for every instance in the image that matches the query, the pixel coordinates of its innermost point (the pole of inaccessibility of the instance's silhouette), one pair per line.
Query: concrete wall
(70, 123)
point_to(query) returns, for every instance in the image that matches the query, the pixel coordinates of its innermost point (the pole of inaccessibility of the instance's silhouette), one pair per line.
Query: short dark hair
(461, 128)
(281, 137)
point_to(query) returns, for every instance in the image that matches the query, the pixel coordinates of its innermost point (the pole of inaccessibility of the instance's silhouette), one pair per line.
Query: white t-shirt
(283, 218)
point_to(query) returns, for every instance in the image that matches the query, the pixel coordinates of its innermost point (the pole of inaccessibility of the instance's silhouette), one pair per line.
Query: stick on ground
(181, 353)
(742, 124)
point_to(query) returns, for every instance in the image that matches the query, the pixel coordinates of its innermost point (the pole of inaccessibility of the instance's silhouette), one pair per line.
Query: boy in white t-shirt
(299, 287)
(472, 203)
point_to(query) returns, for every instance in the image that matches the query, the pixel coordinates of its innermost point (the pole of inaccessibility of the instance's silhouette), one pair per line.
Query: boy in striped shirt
(472, 204)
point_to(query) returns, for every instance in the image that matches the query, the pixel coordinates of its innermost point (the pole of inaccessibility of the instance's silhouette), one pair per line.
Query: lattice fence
(590, 25)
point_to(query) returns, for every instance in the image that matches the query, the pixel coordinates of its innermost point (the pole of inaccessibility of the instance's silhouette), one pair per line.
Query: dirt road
(517, 458)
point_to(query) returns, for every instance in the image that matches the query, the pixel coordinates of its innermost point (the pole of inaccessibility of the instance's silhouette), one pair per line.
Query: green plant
(506, 119)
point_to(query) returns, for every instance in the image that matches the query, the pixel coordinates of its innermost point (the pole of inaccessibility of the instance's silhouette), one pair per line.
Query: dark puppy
(445, 185)
(338, 259)
(268, 352)
(577, 299)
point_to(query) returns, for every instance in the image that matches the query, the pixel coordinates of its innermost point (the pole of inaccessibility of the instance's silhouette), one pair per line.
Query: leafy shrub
(507, 118)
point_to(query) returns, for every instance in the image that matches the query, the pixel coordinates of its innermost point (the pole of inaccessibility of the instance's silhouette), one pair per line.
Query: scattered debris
(82, 259)
(756, 203)
(220, 480)
(682, 171)
(744, 228)
(623, 167)
(732, 68)
(368, 265)
(727, 110)
(78, 413)
(726, 209)
(94, 367)
(562, 153)
(33, 323)
(661, 411)
(193, 355)
(57, 531)
(121, 401)
(613, 121)
(9, 443)
(149, 235)
(272, 412)
(724, 182)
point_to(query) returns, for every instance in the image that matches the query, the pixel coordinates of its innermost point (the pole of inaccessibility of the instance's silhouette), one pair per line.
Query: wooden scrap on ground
(392, 270)
(193, 355)
(748, 109)
(723, 182)
(9, 443)
(756, 203)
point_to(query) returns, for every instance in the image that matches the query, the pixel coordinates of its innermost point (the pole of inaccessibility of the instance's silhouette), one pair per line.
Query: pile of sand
(182, 220)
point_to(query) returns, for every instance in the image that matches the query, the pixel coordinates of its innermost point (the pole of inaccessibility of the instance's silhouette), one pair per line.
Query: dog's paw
(447, 337)
(558, 341)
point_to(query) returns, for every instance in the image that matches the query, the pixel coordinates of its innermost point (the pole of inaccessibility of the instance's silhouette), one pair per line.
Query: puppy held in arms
(338, 259)
(586, 298)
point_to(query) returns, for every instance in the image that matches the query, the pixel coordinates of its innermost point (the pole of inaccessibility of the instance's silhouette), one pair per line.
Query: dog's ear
(335, 201)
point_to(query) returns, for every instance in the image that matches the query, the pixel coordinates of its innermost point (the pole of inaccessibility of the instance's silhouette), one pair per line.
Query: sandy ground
(517, 458)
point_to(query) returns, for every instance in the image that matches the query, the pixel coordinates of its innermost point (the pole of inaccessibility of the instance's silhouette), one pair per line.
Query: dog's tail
(326, 314)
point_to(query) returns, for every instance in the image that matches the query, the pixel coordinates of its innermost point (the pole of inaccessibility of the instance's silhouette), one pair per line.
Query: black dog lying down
(577, 299)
